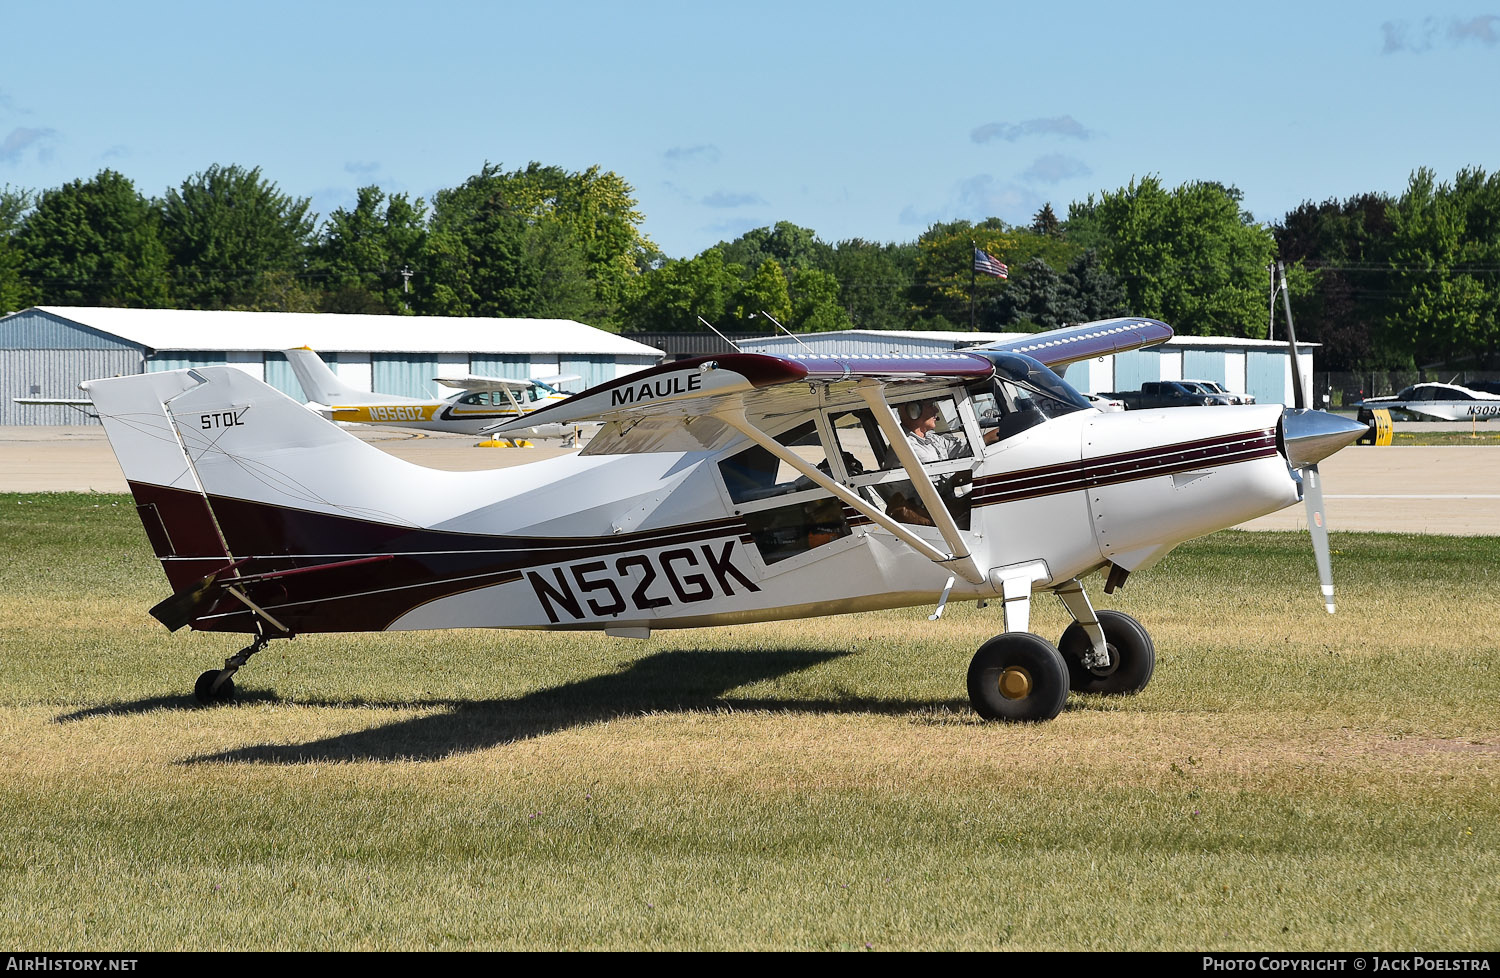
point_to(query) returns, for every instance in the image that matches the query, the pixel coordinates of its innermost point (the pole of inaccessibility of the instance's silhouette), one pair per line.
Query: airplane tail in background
(319, 383)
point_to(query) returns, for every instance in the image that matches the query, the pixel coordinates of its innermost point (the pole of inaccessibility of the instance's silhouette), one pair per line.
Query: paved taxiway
(1408, 489)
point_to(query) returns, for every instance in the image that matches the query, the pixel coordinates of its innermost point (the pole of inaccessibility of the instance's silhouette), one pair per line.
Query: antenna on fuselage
(735, 346)
(786, 331)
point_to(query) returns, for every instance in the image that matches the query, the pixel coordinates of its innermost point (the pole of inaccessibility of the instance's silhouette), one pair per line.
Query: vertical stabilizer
(319, 383)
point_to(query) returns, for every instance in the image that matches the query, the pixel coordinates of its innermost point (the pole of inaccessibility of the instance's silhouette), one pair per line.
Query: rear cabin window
(755, 473)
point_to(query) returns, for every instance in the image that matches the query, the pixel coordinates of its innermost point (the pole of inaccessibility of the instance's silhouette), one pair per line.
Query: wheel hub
(1110, 665)
(1015, 683)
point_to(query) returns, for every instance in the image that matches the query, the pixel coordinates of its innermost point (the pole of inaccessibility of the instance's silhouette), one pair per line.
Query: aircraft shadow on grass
(665, 682)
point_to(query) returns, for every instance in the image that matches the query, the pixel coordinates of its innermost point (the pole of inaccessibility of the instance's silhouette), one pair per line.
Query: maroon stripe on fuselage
(425, 564)
(1125, 467)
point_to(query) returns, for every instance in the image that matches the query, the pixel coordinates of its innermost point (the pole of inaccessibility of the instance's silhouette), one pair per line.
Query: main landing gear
(1018, 676)
(216, 686)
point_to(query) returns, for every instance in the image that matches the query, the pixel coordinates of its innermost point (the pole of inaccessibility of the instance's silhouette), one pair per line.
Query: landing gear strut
(216, 686)
(1131, 660)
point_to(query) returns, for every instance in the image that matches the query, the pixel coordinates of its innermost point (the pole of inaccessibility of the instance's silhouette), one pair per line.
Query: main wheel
(205, 693)
(1018, 676)
(1132, 656)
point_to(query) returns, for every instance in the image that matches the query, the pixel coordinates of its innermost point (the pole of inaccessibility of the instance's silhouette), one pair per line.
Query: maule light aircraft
(480, 403)
(719, 490)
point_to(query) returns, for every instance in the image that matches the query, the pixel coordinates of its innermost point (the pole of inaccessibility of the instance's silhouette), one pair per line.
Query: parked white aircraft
(1438, 402)
(720, 490)
(481, 402)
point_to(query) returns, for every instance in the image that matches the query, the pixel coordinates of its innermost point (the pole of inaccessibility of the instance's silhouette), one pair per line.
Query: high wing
(473, 383)
(1060, 347)
(682, 406)
(675, 407)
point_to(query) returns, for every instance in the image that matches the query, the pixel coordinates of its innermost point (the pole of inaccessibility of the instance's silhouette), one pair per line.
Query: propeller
(1311, 436)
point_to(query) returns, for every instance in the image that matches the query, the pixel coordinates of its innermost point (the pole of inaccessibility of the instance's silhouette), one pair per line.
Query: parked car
(1104, 403)
(1167, 393)
(1214, 387)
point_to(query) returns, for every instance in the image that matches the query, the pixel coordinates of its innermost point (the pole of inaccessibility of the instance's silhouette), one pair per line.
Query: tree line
(1384, 282)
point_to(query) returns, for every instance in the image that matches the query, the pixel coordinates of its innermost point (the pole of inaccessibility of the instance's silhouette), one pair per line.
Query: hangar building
(46, 350)
(1259, 367)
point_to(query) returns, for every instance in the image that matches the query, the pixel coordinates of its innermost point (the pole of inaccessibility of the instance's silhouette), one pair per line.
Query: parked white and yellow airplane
(482, 402)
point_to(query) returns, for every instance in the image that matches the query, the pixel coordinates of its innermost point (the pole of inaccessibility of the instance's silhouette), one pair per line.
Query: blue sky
(867, 119)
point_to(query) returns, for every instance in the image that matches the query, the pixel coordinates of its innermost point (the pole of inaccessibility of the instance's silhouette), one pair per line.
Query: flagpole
(973, 283)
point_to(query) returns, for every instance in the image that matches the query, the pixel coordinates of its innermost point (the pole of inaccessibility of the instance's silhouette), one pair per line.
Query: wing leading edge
(1060, 347)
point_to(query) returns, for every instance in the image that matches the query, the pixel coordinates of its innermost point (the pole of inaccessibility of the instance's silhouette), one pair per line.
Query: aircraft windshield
(1023, 393)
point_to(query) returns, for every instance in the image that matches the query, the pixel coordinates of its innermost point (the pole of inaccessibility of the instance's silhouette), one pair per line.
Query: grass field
(1290, 780)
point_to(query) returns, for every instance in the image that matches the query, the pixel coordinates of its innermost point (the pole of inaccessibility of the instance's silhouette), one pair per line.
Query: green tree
(792, 247)
(875, 282)
(598, 213)
(945, 283)
(1189, 256)
(1445, 253)
(15, 291)
(534, 242)
(95, 243)
(945, 280)
(1045, 223)
(815, 303)
(1342, 251)
(363, 255)
(1035, 301)
(236, 241)
(672, 297)
(766, 291)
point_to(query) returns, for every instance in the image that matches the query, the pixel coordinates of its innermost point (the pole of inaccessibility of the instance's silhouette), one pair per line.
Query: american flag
(986, 264)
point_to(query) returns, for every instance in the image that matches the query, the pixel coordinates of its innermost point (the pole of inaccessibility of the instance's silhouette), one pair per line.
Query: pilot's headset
(913, 410)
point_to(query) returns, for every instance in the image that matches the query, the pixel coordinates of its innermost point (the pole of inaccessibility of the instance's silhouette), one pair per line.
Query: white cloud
(1062, 125)
(20, 140)
(1054, 168)
(723, 198)
(701, 153)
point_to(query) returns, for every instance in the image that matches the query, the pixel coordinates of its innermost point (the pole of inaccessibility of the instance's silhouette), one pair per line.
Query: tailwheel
(217, 685)
(1018, 676)
(1132, 656)
(206, 693)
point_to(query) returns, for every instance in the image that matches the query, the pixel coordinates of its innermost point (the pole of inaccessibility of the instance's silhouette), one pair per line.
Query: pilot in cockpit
(919, 420)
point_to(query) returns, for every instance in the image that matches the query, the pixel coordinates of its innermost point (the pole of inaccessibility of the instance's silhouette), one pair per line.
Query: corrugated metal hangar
(46, 350)
(1259, 367)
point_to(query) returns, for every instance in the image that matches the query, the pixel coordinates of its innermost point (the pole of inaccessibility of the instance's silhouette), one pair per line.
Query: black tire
(204, 692)
(1018, 677)
(1132, 656)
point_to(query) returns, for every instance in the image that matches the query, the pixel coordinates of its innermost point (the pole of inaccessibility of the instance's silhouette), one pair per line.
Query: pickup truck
(1167, 393)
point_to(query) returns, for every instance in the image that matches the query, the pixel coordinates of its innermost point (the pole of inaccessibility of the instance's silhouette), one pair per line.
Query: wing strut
(961, 564)
(873, 391)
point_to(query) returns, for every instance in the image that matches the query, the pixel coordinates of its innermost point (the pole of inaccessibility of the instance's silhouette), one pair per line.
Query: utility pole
(1271, 327)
